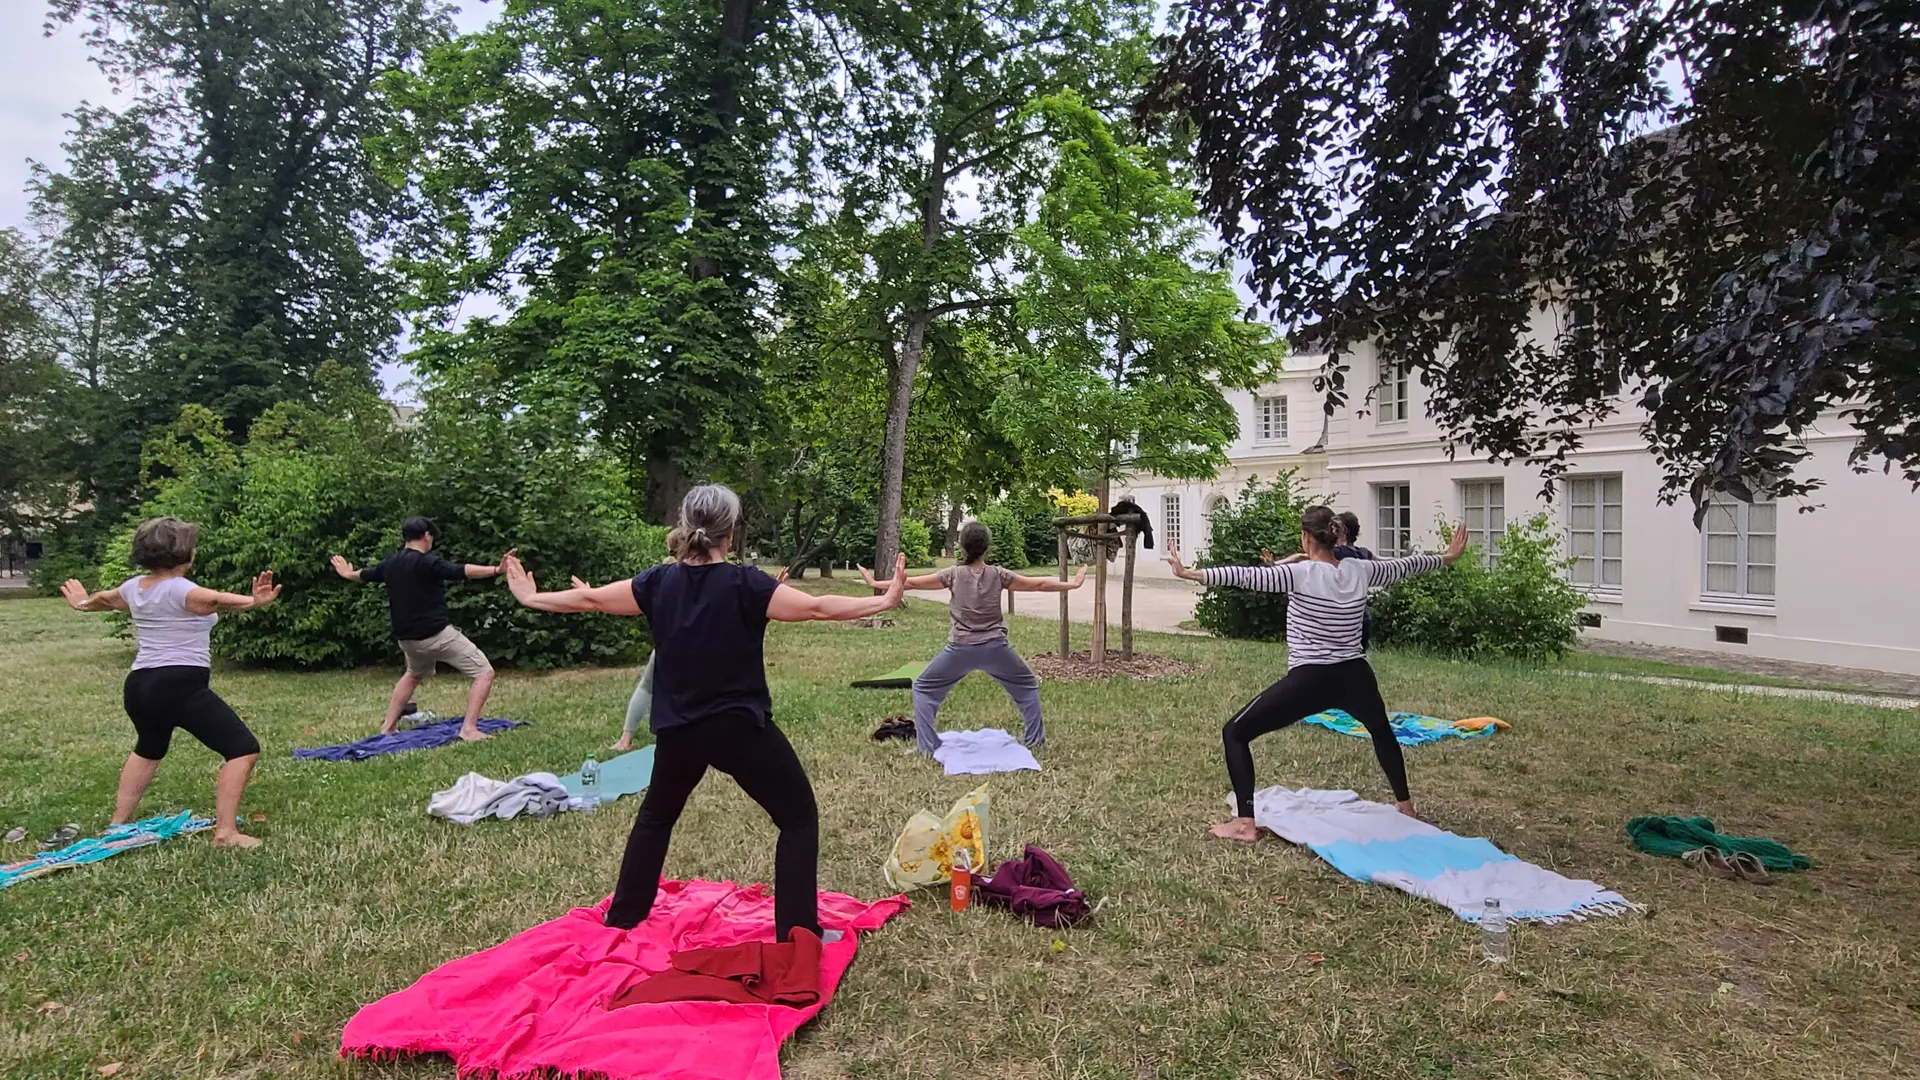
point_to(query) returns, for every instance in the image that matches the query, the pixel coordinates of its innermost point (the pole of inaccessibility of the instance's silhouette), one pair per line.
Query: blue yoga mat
(628, 774)
(424, 737)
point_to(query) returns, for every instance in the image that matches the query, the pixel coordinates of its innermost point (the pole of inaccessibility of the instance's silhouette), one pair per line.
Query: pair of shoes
(1741, 864)
(62, 836)
(894, 727)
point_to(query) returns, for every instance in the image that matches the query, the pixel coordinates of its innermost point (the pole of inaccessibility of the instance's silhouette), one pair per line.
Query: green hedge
(340, 476)
(1523, 607)
(1262, 515)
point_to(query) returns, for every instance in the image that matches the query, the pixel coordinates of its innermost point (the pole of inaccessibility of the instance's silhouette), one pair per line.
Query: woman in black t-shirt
(711, 705)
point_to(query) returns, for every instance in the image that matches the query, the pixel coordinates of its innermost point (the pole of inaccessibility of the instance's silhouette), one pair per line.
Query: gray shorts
(449, 647)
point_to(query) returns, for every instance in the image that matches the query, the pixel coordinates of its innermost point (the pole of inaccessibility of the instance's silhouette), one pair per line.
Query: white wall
(1843, 593)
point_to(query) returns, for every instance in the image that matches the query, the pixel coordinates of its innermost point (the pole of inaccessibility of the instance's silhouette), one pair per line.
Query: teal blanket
(628, 774)
(1409, 729)
(116, 839)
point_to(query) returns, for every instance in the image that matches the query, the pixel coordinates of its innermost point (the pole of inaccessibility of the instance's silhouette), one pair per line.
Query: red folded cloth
(1036, 887)
(751, 973)
(536, 1004)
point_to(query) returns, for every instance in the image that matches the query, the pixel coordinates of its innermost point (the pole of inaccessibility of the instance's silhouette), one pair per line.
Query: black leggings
(763, 763)
(1308, 689)
(158, 700)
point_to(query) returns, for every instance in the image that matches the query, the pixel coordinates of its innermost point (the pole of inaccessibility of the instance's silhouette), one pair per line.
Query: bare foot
(235, 840)
(1237, 829)
(388, 730)
(624, 742)
(1406, 808)
(474, 735)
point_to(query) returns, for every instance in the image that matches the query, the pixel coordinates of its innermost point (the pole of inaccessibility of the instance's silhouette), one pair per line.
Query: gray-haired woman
(978, 640)
(711, 705)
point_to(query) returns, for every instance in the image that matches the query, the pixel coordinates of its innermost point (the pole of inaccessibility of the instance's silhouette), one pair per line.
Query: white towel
(972, 753)
(1374, 842)
(474, 796)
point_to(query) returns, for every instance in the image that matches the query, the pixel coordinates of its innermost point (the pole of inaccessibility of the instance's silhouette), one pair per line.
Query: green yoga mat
(900, 678)
(627, 774)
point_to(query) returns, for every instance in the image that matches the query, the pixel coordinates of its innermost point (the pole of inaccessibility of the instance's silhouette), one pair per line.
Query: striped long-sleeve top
(1326, 603)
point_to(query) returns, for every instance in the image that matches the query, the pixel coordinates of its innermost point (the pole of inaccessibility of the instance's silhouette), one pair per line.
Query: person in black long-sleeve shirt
(417, 603)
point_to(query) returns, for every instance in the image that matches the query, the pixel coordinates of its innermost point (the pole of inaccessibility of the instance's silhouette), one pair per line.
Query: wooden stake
(1063, 597)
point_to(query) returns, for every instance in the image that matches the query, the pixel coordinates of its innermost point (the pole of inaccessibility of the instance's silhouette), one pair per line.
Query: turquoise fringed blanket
(116, 839)
(1410, 729)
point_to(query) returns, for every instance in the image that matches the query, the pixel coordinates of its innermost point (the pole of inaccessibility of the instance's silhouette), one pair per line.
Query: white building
(1831, 586)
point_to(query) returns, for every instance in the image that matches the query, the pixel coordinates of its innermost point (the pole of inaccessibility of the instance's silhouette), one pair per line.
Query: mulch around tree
(1078, 667)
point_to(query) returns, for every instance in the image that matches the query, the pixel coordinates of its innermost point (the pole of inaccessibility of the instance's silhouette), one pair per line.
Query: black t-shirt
(709, 623)
(416, 591)
(1352, 551)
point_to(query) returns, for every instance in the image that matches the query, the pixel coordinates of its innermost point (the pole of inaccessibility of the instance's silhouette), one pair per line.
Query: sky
(48, 76)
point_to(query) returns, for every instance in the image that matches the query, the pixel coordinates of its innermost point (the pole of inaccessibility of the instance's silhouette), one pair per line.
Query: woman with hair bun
(711, 706)
(1326, 662)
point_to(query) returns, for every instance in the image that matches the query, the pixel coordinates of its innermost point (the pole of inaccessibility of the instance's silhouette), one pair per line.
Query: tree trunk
(1126, 596)
(953, 530)
(666, 485)
(901, 371)
(711, 197)
(1098, 650)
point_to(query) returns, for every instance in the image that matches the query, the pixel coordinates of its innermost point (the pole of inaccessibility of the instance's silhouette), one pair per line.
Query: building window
(1393, 523)
(1738, 539)
(1270, 419)
(1593, 531)
(1484, 509)
(1391, 394)
(1170, 520)
(1214, 505)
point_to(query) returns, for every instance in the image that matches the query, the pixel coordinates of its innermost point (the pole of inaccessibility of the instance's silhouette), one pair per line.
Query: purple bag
(1035, 887)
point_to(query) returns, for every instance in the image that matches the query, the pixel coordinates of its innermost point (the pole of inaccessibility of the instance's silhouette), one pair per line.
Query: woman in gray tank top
(978, 640)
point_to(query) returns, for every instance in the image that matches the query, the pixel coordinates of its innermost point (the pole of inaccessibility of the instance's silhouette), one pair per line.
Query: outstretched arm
(791, 605)
(80, 599)
(210, 601)
(1387, 571)
(476, 571)
(922, 583)
(613, 599)
(344, 568)
(1278, 578)
(1022, 583)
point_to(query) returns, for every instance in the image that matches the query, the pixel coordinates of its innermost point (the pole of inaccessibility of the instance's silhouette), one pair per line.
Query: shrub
(916, 542)
(1523, 607)
(1262, 515)
(1009, 546)
(338, 477)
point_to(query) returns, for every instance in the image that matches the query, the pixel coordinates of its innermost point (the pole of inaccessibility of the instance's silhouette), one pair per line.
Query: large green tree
(258, 209)
(35, 399)
(214, 239)
(1718, 202)
(1132, 320)
(929, 166)
(603, 169)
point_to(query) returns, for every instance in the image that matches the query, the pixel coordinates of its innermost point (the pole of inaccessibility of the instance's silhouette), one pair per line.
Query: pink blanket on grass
(538, 1001)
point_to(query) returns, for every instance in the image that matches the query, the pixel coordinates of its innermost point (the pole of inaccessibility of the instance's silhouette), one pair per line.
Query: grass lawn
(1210, 960)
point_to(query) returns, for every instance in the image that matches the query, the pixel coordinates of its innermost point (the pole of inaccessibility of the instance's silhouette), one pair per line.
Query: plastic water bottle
(1495, 946)
(590, 783)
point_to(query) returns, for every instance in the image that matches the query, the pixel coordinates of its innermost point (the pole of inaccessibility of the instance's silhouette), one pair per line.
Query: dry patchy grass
(182, 961)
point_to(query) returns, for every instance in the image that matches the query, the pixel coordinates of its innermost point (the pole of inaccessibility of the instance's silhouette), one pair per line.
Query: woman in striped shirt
(1326, 663)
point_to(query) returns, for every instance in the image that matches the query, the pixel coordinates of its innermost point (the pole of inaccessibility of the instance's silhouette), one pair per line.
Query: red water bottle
(962, 878)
